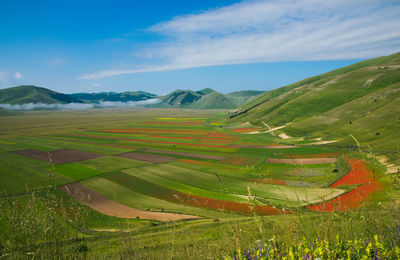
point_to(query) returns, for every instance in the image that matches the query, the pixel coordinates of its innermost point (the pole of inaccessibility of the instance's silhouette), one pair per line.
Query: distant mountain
(206, 99)
(202, 99)
(32, 94)
(180, 98)
(362, 100)
(113, 96)
(213, 100)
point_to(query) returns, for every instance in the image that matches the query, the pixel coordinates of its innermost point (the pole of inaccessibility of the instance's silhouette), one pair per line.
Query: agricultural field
(138, 171)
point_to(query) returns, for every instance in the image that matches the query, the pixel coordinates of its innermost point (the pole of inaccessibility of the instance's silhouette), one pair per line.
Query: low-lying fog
(73, 106)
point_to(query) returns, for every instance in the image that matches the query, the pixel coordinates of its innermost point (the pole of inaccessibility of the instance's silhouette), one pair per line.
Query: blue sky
(159, 46)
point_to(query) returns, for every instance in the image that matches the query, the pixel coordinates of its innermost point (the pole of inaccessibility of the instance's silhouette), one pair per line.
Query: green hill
(206, 91)
(362, 99)
(180, 98)
(113, 96)
(213, 100)
(32, 94)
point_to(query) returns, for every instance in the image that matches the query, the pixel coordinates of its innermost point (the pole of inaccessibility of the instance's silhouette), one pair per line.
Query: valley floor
(138, 183)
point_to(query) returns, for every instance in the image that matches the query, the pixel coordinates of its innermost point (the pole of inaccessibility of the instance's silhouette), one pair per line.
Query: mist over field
(78, 106)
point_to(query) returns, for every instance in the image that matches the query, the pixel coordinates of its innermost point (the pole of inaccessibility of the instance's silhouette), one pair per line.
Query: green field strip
(94, 219)
(112, 163)
(320, 165)
(184, 155)
(164, 137)
(23, 146)
(215, 168)
(199, 179)
(19, 172)
(35, 143)
(288, 153)
(193, 148)
(152, 175)
(83, 138)
(317, 176)
(285, 195)
(59, 144)
(201, 152)
(8, 146)
(75, 171)
(137, 200)
(168, 127)
(169, 143)
(144, 187)
(243, 160)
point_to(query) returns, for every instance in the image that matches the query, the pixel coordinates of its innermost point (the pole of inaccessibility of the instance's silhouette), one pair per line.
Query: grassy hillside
(241, 97)
(33, 94)
(361, 99)
(113, 96)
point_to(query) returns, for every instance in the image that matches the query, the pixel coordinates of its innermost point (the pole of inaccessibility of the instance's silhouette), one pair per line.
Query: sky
(159, 46)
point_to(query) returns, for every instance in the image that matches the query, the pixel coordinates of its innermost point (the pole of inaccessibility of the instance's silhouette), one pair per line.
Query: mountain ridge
(33, 94)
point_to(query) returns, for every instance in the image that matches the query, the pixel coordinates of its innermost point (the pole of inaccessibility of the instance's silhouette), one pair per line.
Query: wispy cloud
(3, 77)
(8, 77)
(270, 31)
(55, 62)
(18, 75)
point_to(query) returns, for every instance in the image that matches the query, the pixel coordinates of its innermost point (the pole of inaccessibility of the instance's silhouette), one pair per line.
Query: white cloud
(96, 85)
(55, 62)
(18, 75)
(270, 31)
(3, 77)
(8, 77)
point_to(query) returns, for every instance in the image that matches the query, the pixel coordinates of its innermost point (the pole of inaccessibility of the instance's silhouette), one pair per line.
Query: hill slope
(213, 100)
(113, 96)
(32, 94)
(362, 99)
(241, 97)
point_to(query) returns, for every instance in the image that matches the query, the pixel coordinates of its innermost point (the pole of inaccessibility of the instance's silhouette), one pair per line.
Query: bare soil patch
(302, 161)
(317, 155)
(109, 207)
(264, 146)
(146, 157)
(324, 142)
(195, 155)
(245, 130)
(58, 156)
(284, 136)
